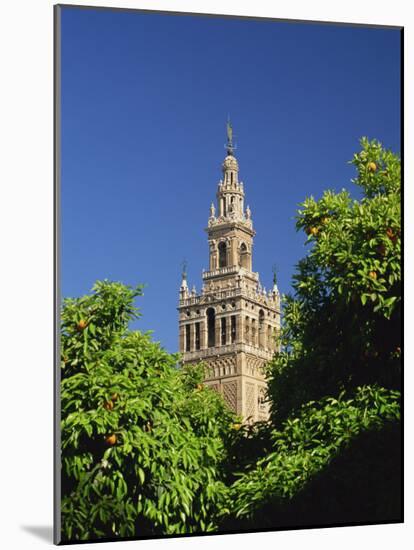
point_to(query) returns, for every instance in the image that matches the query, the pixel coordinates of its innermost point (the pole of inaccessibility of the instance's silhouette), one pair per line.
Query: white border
(26, 225)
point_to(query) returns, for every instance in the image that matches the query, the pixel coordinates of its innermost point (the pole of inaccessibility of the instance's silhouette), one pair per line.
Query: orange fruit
(109, 405)
(372, 167)
(82, 324)
(111, 439)
(373, 274)
(314, 231)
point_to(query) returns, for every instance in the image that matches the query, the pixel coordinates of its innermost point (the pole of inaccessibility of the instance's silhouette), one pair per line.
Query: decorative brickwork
(251, 409)
(230, 394)
(220, 367)
(254, 366)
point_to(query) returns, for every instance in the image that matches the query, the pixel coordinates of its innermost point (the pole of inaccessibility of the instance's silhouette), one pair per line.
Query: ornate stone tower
(232, 323)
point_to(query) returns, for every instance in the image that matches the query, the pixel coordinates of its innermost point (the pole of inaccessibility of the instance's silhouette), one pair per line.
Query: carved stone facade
(232, 324)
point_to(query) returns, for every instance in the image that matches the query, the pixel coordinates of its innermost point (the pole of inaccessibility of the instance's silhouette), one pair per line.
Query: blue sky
(145, 98)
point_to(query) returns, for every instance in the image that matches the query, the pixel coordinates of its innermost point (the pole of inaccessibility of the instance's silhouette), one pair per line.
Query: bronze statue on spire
(230, 146)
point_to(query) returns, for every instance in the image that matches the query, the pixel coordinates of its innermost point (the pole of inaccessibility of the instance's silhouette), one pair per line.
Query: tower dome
(230, 163)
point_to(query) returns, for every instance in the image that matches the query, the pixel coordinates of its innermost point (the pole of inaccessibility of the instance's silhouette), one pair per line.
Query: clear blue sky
(145, 98)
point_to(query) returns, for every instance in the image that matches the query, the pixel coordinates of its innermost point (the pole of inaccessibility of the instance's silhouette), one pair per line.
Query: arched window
(261, 328)
(222, 248)
(233, 329)
(187, 338)
(247, 330)
(244, 256)
(223, 331)
(211, 327)
(253, 334)
(197, 336)
(261, 318)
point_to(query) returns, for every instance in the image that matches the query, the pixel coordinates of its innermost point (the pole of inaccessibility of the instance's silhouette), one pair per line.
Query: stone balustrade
(227, 349)
(222, 294)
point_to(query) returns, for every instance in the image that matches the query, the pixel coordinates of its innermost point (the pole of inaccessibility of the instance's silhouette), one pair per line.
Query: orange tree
(334, 387)
(142, 442)
(343, 326)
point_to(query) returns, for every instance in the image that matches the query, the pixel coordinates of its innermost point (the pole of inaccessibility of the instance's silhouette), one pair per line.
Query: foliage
(142, 441)
(304, 446)
(342, 328)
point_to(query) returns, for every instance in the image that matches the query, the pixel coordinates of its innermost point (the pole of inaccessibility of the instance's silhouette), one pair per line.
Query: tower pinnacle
(184, 285)
(184, 270)
(275, 289)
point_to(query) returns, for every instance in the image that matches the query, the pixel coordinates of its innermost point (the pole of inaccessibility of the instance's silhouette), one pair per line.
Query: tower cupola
(230, 172)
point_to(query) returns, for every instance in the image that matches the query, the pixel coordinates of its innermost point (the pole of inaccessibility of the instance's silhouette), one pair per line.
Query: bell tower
(231, 325)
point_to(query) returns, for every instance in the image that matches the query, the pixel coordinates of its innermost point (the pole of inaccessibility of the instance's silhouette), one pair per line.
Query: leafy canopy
(342, 327)
(302, 448)
(142, 441)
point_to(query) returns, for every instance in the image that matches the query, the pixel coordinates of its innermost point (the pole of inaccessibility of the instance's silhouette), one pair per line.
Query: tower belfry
(231, 324)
